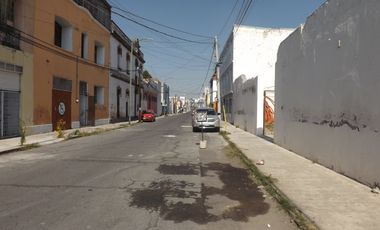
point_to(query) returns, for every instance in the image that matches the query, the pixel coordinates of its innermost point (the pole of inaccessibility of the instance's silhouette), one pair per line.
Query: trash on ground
(260, 162)
(375, 190)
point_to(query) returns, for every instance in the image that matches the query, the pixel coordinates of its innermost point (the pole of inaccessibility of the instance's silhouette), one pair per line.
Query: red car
(148, 116)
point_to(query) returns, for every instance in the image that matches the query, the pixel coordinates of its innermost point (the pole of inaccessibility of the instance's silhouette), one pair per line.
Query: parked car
(148, 116)
(206, 119)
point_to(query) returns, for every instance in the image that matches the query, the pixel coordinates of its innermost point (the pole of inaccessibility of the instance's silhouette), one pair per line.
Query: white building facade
(214, 92)
(121, 60)
(328, 86)
(250, 52)
(165, 102)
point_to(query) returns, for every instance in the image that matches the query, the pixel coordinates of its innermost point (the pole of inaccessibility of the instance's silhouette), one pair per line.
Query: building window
(58, 34)
(99, 53)
(128, 62)
(99, 95)
(136, 63)
(63, 34)
(119, 57)
(7, 11)
(84, 46)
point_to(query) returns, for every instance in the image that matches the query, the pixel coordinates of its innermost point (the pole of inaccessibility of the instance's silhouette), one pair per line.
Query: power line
(160, 32)
(240, 11)
(241, 17)
(245, 12)
(208, 70)
(159, 24)
(228, 19)
(149, 27)
(36, 42)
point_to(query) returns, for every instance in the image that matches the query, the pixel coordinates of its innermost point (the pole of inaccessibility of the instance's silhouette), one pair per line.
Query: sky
(182, 57)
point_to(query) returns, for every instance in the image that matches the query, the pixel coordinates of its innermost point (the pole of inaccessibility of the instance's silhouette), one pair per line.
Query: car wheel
(217, 129)
(194, 129)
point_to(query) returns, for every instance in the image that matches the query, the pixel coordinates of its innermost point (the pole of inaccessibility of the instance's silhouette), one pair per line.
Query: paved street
(149, 176)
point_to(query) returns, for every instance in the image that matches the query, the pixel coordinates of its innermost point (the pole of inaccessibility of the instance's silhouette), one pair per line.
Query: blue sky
(184, 66)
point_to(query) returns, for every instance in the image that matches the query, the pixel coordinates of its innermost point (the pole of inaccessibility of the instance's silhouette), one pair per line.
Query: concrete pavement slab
(331, 200)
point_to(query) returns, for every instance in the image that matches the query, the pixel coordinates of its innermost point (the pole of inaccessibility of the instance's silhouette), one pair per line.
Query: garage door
(9, 104)
(9, 113)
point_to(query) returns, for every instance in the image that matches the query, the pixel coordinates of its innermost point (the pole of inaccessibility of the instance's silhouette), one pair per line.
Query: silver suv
(206, 119)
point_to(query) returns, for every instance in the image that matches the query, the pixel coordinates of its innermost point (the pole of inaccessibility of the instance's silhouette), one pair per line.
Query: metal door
(9, 113)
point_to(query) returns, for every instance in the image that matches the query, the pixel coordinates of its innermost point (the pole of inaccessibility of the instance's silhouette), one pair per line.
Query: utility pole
(130, 83)
(218, 75)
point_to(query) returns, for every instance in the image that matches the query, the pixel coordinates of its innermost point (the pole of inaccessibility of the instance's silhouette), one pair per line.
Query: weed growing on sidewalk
(269, 184)
(22, 132)
(61, 124)
(26, 147)
(77, 134)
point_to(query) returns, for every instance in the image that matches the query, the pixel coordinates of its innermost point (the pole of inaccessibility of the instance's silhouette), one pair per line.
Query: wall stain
(343, 120)
(237, 186)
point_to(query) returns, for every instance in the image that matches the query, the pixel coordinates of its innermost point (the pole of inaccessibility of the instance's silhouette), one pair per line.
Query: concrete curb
(51, 138)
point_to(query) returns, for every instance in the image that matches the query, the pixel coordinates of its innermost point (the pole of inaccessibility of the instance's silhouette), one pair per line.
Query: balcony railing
(99, 9)
(9, 36)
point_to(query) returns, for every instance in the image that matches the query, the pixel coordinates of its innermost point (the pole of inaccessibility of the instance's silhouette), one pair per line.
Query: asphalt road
(149, 176)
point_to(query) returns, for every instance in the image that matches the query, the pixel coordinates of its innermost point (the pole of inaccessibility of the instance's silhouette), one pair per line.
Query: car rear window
(209, 111)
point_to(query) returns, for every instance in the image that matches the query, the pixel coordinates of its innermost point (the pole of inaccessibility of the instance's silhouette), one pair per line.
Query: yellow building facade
(16, 71)
(70, 50)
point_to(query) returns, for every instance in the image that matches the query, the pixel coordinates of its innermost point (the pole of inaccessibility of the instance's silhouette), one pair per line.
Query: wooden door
(61, 109)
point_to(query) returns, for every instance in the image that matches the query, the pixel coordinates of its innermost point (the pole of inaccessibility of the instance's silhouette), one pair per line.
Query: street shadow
(190, 201)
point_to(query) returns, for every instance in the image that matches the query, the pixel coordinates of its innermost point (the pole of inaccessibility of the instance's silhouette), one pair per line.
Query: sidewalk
(331, 200)
(13, 144)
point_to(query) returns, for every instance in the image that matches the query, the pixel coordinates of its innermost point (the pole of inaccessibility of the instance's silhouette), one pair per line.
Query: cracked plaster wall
(328, 89)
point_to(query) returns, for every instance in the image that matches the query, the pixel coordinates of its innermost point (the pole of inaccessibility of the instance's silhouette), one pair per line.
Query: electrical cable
(242, 17)
(228, 18)
(158, 31)
(208, 70)
(36, 42)
(240, 11)
(159, 24)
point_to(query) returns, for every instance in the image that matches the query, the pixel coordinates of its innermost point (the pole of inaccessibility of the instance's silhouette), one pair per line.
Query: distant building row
(67, 62)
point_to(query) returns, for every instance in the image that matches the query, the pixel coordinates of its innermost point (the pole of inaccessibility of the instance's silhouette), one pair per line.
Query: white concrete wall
(250, 51)
(245, 103)
(255, 55)
(327, 89)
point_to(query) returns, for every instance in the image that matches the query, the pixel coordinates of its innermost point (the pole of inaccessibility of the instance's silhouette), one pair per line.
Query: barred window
(7, 10)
